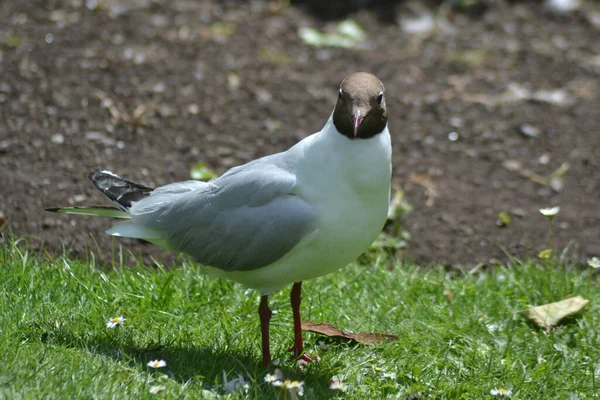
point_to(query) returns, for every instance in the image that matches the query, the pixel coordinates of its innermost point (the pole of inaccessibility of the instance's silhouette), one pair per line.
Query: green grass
(54, 342)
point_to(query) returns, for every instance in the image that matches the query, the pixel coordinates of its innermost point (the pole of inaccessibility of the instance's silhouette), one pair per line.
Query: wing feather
(244, 220)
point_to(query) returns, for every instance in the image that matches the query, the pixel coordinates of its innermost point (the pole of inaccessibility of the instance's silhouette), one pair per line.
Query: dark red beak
(357, 119)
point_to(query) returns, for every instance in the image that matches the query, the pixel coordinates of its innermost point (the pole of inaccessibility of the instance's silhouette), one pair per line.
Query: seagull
(277, 220)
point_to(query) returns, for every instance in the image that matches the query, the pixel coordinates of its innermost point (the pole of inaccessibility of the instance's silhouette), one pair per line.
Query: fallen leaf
(201, 172)
(545, 254)
(223, 29)
(348, 34)
(503, 219)
(425, 181)
(351, 30)
(549, 315)
(399, 206)
(362, 338)
(448, 295)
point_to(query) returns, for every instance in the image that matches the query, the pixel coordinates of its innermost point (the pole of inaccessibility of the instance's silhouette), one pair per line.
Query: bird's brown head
(360, 112)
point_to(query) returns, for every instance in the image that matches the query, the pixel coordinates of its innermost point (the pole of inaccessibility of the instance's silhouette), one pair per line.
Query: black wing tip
(99, 171)
(53, 209)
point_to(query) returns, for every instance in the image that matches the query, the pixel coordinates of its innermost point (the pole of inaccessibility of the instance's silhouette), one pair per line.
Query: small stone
(159, 87)
(273, 125)
(229, 162)
(518, 212)
(512, 165)
(457, 122)
(159, 20)
(529, 131)
(166, 111)
(562, 7)
(194, 109)
(233, 81)
(57, 138)
(5, 87)
(418, 24)
(49, 223)
(79, 198)
(557, 184)
(92, 5)
(593, 18)
(263, 96)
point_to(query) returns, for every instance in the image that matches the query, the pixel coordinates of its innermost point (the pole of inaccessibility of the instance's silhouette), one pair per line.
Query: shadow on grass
(193, 365)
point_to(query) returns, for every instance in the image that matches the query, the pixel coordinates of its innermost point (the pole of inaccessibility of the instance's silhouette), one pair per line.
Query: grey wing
(244, 220)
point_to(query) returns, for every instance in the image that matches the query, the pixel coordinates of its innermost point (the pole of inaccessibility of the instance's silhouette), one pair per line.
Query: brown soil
(147, 88)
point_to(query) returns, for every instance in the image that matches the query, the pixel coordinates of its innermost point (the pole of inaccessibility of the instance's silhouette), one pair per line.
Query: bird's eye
(380, 98)
(341, 94)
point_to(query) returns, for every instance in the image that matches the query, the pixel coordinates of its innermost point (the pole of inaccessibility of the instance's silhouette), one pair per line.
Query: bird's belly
(345, 230)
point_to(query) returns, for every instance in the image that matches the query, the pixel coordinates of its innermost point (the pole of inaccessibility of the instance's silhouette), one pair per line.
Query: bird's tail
(121, 192)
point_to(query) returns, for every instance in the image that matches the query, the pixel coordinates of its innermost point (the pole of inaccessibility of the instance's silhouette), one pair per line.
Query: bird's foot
(303, 358)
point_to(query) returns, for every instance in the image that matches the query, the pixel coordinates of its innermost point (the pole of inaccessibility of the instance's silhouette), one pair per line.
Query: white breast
(347, 183)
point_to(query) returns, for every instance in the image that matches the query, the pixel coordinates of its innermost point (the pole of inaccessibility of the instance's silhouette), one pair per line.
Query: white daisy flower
(501, 392)
(275, 378)
(114, 322)
(294, 386)
(594, 262)
(157, 364)
(277, 383)
(550, 212)
(270, 378)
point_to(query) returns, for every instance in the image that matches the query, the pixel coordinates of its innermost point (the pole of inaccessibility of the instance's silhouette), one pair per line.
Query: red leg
(296, 298)
(298, 348)
(265, 317)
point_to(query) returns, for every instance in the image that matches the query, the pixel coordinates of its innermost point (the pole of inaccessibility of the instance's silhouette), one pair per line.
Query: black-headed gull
(277, 220)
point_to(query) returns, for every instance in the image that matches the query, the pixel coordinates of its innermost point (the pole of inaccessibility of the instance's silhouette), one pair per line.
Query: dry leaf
(362, 338)
(448, 295)
(425, 181)
(549, 315)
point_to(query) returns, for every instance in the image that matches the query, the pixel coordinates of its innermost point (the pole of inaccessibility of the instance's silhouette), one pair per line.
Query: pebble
(57, 138)
(159, 87)
(529, 131)
(562, 7)
(194, 109)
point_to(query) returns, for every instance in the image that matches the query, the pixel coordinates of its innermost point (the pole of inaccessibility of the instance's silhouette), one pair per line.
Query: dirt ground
(489, 113)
